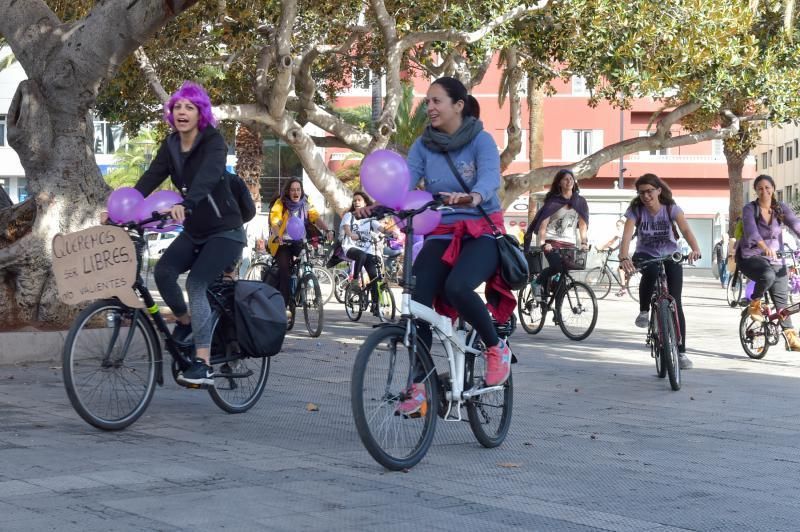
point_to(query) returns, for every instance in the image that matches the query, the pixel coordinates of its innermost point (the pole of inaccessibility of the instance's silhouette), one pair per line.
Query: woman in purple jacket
(756, 254)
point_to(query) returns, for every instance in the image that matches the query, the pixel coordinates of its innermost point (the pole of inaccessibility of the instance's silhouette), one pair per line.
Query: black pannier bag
(260, 318)
(536, 260)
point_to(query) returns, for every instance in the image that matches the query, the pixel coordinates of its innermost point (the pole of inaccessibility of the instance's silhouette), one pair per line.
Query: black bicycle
(573, 303)
(113, 359)
(663, 333)
(358, 295)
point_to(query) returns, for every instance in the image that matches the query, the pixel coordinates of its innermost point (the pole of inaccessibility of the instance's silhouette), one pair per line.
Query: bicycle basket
(573, 258)
(536, 260)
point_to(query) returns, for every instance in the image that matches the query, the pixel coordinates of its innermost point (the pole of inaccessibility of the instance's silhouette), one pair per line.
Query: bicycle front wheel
(383, 370)
(387, 309)
(632, 285)
(753, 336)
(311, 298)
(239, 382)
(109, 364)
(669, 344)
(733, 291)
(531, 312)
(352, 301)
(489, 414)
(339, 284)
(599, 281)
(576, 311)
(257, 271)
(325, 280)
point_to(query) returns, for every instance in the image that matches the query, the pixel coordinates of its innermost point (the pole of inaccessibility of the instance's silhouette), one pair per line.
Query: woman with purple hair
(193, 157)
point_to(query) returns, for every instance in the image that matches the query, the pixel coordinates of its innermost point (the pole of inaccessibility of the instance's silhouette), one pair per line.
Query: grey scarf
(438, 141)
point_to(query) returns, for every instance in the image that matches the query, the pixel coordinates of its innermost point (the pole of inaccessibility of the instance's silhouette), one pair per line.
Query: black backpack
(260, 318)
(241, 194)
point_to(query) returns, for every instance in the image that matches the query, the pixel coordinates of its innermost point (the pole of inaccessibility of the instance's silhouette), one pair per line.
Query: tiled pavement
(597, 443)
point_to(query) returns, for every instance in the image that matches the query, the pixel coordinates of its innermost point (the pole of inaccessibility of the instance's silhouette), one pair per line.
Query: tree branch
(284, 61)
(150, 74)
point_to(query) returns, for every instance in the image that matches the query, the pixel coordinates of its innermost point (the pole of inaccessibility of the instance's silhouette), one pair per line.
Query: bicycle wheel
(311, 300)
(238, 381)
(339, 285)
(381, 374)
(531, 313)
(655, 345)
(669, 343)
(632, 285)
(576, 310)
(387, 308)
(352, 301)
(109, 364)
(753, 336)
(257, 271)
(325, 281)
(489, 414)
(733, 291)
(599, 281)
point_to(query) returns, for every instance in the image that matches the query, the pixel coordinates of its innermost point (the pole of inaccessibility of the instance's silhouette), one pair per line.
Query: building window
(764, 161)
(769, 159)
(717, 149)
(789, 153)
(780, 195)
(655, 152)
(22, 189)
(579, 86)
(756, 159)
(788, 193)
(2, 130)
(362, 78)
(797, 147)
(780, 154)
(579, 143)
(583, 142)
(4, 184)
(107, 137)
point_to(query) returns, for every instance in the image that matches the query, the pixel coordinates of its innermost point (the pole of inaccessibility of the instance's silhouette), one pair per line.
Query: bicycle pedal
(192, 386)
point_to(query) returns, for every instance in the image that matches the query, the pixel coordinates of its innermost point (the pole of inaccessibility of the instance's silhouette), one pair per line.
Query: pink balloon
(426, 221)
(159, 201)
(295, 228)
(385, 176)
(122, 204)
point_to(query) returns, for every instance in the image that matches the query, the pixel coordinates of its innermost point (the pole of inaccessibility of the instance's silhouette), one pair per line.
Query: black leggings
(554, 265)
(768, 277)
(362, 259)
(647, 286)
(284, 256)
(206, 261)
(477, 262)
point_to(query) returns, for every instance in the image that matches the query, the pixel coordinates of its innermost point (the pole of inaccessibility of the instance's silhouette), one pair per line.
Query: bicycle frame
(661, 293)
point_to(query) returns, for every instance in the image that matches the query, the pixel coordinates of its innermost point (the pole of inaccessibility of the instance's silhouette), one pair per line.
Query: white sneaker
(643, 319)
(684, 362)
(537, 292)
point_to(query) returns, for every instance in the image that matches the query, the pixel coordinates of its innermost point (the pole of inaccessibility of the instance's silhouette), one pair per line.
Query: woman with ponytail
(756, 255)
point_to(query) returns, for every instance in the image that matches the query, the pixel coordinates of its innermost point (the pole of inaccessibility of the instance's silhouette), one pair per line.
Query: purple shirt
(756, 228)
(655, 236)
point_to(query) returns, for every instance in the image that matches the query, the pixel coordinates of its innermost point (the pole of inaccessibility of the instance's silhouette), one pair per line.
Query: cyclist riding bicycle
(461, 253)
(292, 202)
(357, 243)
(564, 213)
(652, 214)
(193, 156)
(762, 227)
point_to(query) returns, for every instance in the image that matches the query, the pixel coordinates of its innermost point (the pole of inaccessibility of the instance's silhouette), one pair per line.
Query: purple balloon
(159, 201)
(748, 289)
(295, 228)
(426, 221)
(123, 203)
(385, 176)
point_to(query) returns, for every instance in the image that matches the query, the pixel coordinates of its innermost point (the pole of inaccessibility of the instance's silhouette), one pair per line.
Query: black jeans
(768, 277)
(647, 286)
(284, 256)
(554, 265)
(206, 261)
(476, 263)
(362, 259)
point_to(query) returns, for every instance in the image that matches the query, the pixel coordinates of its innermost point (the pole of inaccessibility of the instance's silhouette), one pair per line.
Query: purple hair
(199, 97)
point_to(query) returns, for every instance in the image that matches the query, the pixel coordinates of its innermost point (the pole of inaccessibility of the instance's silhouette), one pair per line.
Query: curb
(33, 346)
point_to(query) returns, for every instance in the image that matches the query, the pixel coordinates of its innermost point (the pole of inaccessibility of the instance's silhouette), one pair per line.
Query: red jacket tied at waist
(499, 298)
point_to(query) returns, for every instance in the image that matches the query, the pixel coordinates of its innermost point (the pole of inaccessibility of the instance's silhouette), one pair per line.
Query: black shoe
(181, 332)
(199, 373)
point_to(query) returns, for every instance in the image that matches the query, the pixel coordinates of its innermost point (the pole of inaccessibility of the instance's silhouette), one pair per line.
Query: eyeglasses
(647, 192)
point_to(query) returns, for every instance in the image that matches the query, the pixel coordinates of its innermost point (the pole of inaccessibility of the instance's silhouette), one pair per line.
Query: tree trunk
(50, 127)
(535, 137)
(377, 96)
(735, 162)
(249, 159)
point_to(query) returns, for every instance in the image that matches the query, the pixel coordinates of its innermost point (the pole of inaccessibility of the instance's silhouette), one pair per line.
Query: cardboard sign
(95, 263)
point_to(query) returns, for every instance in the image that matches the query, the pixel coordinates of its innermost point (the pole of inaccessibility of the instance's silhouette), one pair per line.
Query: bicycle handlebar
(381, 211)
(676, 257)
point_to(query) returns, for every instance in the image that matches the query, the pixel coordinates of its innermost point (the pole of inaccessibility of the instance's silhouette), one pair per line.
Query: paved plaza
(597, 442)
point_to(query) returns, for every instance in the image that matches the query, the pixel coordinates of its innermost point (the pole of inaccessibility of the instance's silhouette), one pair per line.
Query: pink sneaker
(498, 364)
(416, 403)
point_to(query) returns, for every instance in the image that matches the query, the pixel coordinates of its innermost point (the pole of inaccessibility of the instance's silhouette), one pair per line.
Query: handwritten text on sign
(95, 263)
